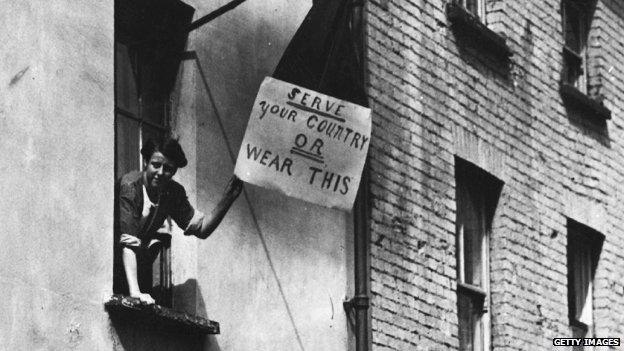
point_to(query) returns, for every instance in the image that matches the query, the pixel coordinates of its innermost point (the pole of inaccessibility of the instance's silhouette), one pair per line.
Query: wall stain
(74, 333)
(85, 75)
(16, 78)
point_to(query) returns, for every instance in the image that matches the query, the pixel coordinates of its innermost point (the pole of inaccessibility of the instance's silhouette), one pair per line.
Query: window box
(131, 311)
(470, 24)
(573, 97)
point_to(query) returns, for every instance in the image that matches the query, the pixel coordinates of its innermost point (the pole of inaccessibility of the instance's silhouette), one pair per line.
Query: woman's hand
(144, 298)
(234, 187)
(129, 240)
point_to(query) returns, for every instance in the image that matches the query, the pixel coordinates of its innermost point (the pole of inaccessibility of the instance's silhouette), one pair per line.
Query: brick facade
(436, 97)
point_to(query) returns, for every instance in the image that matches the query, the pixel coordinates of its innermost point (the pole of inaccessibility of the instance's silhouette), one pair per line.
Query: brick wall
(434, 97)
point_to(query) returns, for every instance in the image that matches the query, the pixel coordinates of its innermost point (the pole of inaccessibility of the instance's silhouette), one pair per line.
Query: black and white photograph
(312, 175)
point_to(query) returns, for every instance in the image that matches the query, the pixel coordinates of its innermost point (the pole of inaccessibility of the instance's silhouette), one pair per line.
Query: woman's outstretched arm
(211, 222)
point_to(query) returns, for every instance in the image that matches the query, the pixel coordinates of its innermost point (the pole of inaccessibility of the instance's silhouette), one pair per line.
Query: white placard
(305, 144)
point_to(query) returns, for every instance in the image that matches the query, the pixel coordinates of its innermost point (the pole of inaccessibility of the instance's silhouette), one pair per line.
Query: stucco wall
(276, 271)
(274, 274)
(56, 122)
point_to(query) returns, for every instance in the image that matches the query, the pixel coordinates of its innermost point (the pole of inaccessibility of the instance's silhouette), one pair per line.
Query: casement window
(148, 42)
(141, 112)
(575, 16)
(477, 193)
(469, 23)
(141, 108)
(583, 251)
(575, 76)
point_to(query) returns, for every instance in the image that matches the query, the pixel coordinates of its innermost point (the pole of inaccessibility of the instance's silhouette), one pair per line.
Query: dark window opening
(583, 253)
(149, 39)
(575, 16)
(580, 84)
(477, 194)
(468, 21)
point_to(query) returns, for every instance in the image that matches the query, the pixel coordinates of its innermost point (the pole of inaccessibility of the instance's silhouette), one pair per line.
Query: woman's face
(159, 170)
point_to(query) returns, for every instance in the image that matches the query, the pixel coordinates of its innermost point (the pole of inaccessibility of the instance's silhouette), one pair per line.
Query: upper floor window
(141, 107)
(147, 49)
(579, 86)
(141, 113)
(575, 15)
(476, 198)
(468, 21)
(584, 246)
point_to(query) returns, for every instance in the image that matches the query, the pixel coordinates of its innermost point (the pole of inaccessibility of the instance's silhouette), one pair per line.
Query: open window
(149, 37)
(469, 21)
(477, 194)
(575, 89)
(575, 15)
(583, 252)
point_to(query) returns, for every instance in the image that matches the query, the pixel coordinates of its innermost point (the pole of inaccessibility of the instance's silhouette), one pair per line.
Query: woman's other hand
(146, 299)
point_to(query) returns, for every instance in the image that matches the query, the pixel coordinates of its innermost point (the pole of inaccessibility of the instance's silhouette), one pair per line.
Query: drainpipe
(361, 301)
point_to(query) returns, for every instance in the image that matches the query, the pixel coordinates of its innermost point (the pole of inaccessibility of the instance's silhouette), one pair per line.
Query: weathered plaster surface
(56, 120)
(280, 287)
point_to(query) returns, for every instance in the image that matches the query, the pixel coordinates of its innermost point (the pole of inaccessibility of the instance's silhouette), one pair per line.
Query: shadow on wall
(188, 297)
(129, 336)
(187, 289)
(592, 127)
(615, 6)
(478, 46)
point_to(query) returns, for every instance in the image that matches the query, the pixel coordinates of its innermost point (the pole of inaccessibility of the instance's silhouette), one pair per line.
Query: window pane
(582, 284)
(127, 143)
(148, 132)
(583, 252)
(472, 254)
(153, 99)
(470, 217)
(470, 310)
(473, 6)
(153, 108)
(125, 80)
(573, 27)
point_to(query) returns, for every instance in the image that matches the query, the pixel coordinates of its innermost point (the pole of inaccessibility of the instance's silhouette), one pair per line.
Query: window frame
(584, 245)
(471, 29)
(161, 275)
(135, 50)
(576, 59)
(478, 192)
(478, 295)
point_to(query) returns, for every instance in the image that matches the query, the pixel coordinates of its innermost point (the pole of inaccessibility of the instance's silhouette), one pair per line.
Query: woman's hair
(169, 147)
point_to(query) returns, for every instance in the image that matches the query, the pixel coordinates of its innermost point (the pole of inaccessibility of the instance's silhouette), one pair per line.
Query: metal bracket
(357, 302)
